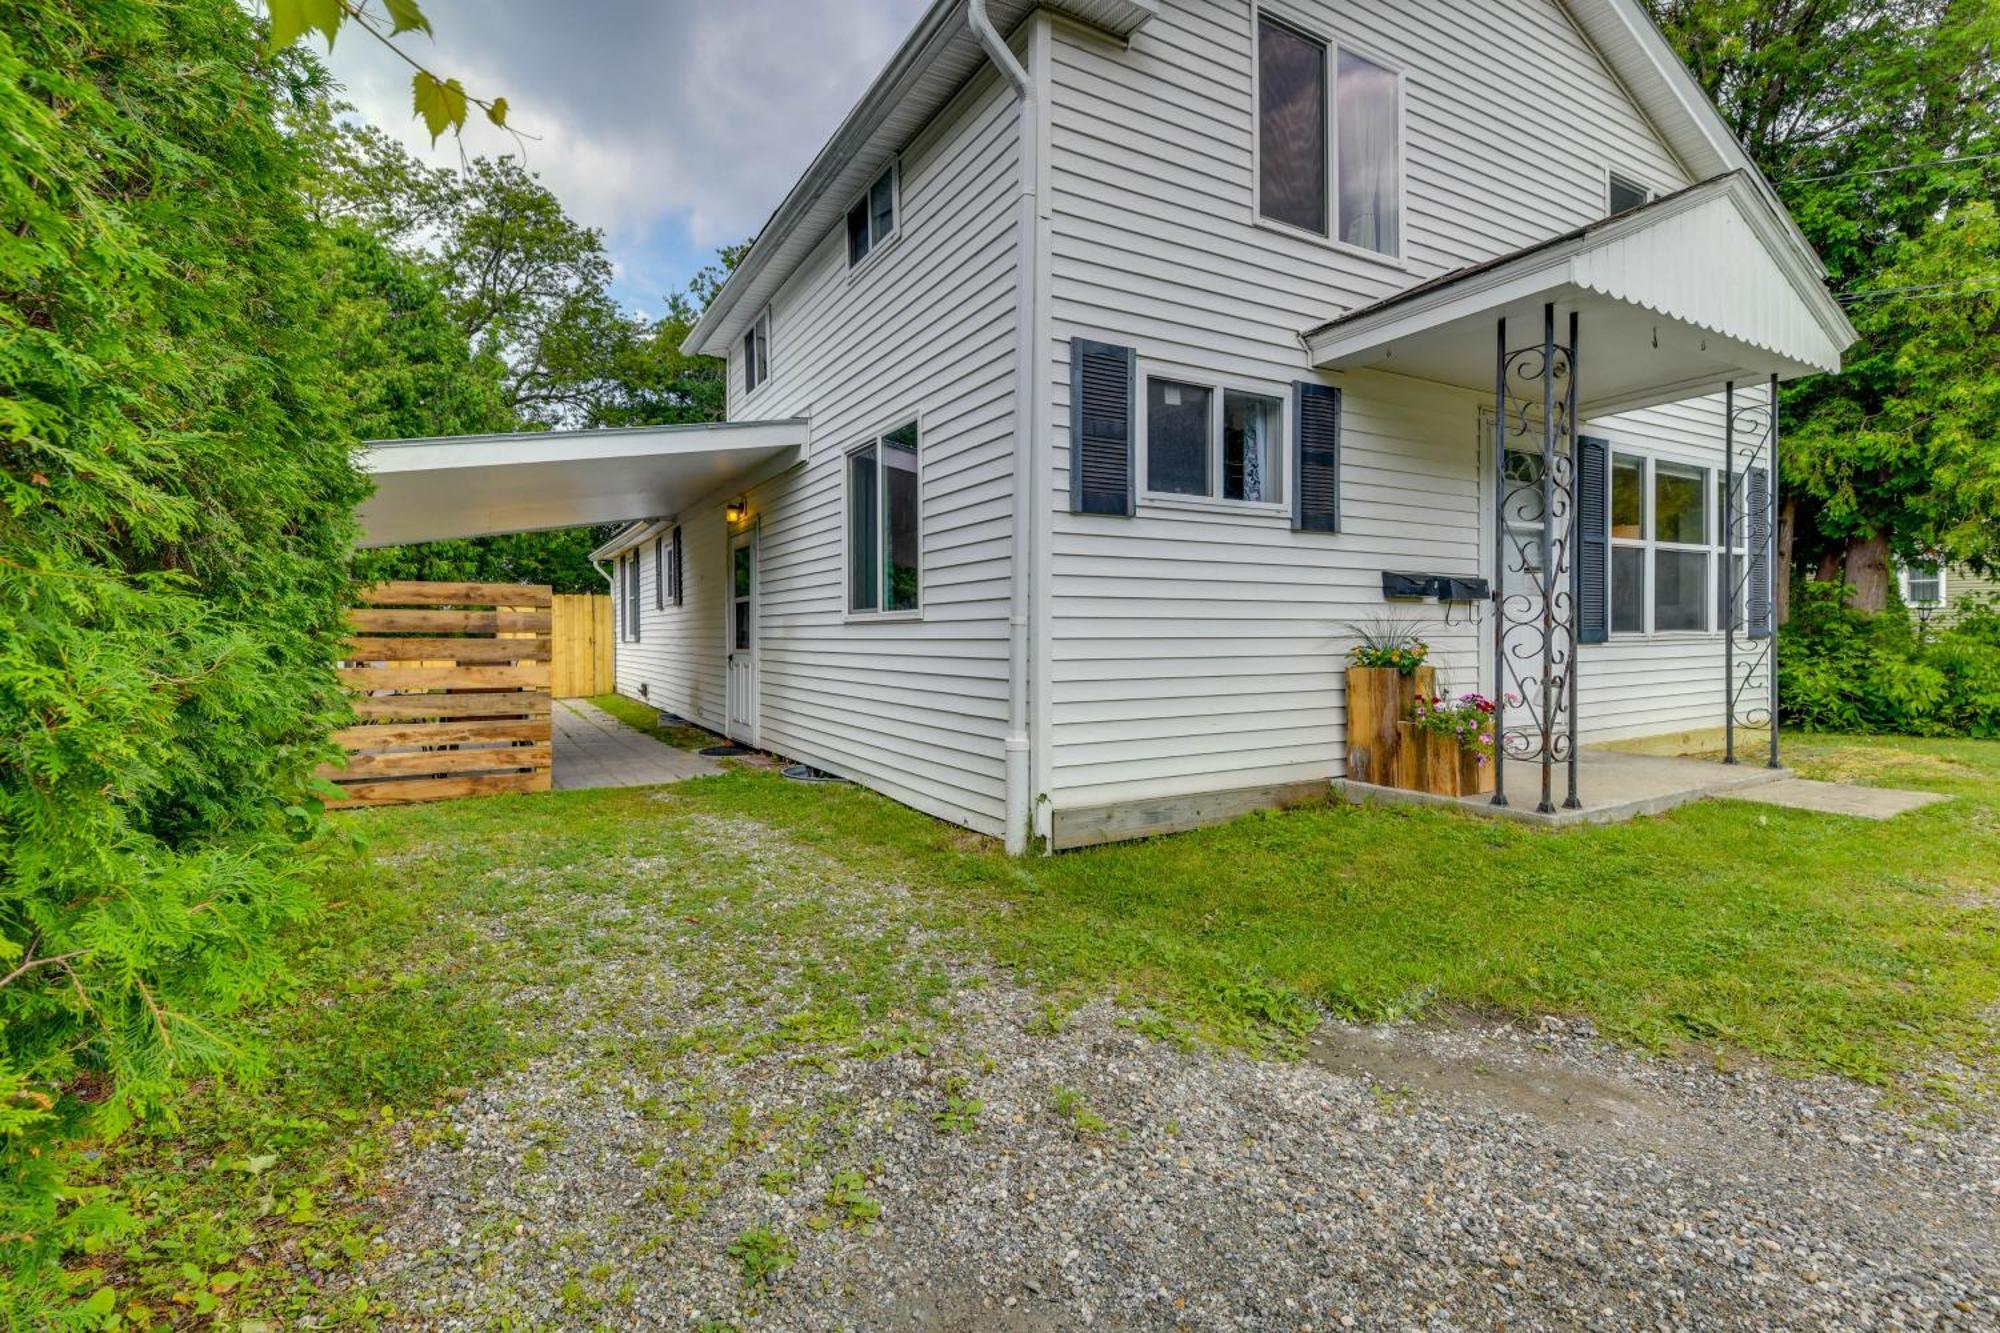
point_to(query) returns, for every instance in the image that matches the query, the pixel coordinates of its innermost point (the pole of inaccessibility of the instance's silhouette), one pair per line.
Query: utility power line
(1907, 166)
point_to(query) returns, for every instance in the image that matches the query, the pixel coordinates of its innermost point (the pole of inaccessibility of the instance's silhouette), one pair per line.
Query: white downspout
(1021, 561)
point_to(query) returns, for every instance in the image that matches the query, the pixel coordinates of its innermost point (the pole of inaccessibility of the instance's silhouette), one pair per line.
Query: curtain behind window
(1369, 165)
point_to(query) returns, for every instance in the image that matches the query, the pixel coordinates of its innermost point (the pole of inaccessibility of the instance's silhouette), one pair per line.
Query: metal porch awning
(1675, 299)
(480, 485)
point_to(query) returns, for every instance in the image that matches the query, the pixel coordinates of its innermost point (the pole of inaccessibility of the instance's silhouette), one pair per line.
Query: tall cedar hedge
(176, 493)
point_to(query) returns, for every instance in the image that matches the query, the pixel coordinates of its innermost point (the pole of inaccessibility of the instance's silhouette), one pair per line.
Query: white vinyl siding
(913, 707)
(1192, 651)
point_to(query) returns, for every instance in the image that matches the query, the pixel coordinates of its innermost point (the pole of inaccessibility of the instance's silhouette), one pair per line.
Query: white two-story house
(1115, 356)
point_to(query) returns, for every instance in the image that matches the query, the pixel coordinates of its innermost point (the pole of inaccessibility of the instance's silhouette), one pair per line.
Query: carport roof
(480, 485)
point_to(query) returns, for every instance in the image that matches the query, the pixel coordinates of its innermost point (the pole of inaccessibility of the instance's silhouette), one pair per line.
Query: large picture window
(1213, 442)
(1669, 533)
(884, 527)
(1300, 79)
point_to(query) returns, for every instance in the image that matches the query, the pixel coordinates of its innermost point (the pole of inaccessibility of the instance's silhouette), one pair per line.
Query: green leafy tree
(1876, 120)
(176, 492)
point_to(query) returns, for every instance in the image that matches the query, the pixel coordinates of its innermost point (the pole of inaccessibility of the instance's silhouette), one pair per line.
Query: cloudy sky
(675, 126)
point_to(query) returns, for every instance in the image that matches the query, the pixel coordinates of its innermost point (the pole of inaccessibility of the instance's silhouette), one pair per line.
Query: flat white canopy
(479, 485)
(1673, 300)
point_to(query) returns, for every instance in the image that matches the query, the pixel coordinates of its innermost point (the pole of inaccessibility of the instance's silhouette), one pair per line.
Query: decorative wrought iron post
(1534, 627)
(1573, 801)
(1500, 563)
(1776, 511)
(1728, 580)
(1749, 576)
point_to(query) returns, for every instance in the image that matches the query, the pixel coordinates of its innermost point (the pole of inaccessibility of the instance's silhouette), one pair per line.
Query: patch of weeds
(847, 1198)
(1053, 1018)
(899, 1040)
(960, 1114)
(1161, 1028)
(762, 1254)
(1069, 1104)
(779, 1180)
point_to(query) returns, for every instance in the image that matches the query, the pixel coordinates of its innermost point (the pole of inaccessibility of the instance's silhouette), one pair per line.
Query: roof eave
(942, 24)
(1548, 258)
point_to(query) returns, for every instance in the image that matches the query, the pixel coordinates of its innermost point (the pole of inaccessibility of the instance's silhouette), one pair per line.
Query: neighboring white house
(1117, 359)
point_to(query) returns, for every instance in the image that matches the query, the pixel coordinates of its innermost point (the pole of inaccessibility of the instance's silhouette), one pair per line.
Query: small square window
(1680, 590)
(1624, 195)
(872, 220)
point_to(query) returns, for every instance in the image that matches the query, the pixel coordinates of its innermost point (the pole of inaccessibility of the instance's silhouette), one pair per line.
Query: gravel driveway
(694, 1151)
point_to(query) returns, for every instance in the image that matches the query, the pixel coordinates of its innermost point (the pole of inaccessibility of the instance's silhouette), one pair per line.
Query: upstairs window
(1291, 127)
(872, 220)
(884, 528)
(757, 352)
(1624, 194)
(1300, 79)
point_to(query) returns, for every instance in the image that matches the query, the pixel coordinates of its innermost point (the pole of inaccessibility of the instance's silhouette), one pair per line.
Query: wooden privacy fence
(582, 665)
(451, 686)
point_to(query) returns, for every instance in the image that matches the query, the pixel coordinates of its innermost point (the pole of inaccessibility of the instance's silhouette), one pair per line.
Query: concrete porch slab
(595, 749)
(1834, 798)
(1613, 785)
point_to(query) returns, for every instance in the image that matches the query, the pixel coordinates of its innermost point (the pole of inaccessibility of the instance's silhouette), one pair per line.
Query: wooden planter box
(1377, 699)
(1436, 764)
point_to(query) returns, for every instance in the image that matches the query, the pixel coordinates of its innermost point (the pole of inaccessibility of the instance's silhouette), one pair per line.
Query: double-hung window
(872, 220)
(1329, 139)
(1213, 442)
(1675, 556)
(884, 527)
(757, 352)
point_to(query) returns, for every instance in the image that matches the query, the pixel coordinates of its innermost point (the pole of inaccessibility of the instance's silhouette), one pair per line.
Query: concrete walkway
(1616, 786)
(594, 749)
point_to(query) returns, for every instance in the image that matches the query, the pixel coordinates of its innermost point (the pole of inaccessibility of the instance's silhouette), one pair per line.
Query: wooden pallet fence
(451, 693)
(582, 665)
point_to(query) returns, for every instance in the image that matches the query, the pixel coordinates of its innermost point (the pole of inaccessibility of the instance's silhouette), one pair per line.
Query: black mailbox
(1465, 590)
(1405, 585)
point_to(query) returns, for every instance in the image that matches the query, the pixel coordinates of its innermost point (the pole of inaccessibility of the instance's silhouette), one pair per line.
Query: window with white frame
(884, 525)
(757, 351)
(872, 219)
(1669, 532)
(1328, 115)
(1923, 585)
(1213, 442)
(628, 565)
(1622, 194)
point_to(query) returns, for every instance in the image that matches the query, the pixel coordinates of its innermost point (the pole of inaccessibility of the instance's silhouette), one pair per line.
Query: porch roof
(1673, 299)
(479, 485)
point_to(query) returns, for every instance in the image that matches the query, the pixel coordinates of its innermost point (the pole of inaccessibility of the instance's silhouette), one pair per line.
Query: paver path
(594, 749)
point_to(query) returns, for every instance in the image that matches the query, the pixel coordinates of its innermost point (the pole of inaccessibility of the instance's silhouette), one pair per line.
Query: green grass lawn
(1824, 943)
(646, 718)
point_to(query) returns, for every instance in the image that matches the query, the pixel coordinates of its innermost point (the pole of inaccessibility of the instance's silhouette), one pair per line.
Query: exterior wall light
(734, 511)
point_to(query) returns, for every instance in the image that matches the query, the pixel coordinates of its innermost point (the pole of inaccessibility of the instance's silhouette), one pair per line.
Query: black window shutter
(1315, 457)
(1758, 609)
(1101, 418)
(677, 567)
(659, 574)
(1593, 547)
